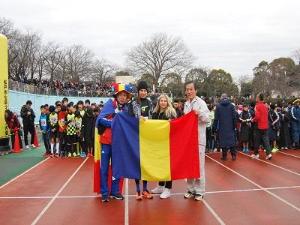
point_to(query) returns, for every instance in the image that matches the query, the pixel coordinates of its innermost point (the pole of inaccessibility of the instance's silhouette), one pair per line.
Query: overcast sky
(231, 34)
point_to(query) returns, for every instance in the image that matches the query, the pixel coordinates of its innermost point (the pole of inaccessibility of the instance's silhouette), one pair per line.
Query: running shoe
(166, 193)
(157, 190)
(189, 195)
(146, 194)
(138, 196)
(253, 156)
(269, 157)
(105, 199)
(198, 197)
(117, 196)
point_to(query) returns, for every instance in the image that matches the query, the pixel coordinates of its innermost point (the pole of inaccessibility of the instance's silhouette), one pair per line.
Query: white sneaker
(166, 193)
(157, 190)
(269, 157)
(27, 146)
(253, 156)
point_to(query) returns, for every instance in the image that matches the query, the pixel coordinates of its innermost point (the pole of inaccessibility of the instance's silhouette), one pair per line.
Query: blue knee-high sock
(137, 184)
(145, 185)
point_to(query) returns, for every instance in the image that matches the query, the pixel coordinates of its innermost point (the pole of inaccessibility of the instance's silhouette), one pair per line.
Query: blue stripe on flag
(125, 141)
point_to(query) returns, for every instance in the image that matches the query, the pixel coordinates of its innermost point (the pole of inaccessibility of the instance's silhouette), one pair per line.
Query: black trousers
(28, 128)
(261, 137)
(225, 150)
(166, 184)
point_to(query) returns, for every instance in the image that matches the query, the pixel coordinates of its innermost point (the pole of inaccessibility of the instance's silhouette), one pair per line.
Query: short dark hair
(87, 101)
(29, 102)
(65, 99)
(80, 102)
(261, 96)
(190, 82)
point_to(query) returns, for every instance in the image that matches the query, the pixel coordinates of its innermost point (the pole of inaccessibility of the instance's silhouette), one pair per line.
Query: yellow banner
(3, 85)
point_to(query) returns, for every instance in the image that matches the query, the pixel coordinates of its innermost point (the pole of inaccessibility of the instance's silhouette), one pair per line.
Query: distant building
(125, 79)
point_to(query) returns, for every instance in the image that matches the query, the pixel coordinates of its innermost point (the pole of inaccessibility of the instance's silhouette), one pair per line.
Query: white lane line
(173, 194)
(295, 156)
(257, 185)
(126, 217)
(212, 211)
(56, 195)
(272, 164)
(26, 171)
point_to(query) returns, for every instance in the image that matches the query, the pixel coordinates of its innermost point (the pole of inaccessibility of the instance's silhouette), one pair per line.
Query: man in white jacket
(196, 187)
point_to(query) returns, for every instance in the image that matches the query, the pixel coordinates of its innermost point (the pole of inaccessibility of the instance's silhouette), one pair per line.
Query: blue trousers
(296, 132)
(105, 161)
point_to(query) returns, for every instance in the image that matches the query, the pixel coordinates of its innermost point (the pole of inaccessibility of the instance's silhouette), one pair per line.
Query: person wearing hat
(295, 123)
(103, 123)
(141, 108)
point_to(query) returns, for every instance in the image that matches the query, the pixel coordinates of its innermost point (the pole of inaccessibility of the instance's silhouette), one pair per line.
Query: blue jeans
(105, 160)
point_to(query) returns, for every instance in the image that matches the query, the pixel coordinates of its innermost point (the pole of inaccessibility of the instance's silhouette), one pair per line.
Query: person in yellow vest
(71, 131)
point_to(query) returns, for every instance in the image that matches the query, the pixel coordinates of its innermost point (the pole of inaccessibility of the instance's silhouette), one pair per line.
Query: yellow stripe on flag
(155, 150)
(97, 146)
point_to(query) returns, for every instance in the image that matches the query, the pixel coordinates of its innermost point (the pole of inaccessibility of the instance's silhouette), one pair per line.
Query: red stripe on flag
(184, 153)
(97, 180)
(97, 176)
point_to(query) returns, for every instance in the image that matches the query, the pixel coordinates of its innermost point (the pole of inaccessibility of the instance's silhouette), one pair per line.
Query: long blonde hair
(169, 111)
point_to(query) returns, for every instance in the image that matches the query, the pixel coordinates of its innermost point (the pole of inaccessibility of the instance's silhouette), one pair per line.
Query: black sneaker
(117, 196)
(105, 199)
(198, 197)
(189, 195)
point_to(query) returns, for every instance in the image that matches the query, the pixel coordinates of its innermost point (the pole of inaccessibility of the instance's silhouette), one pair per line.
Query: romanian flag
(155, 150)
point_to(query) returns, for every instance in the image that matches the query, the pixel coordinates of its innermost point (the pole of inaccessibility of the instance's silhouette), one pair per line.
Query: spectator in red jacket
(261, 131)
(14, 126)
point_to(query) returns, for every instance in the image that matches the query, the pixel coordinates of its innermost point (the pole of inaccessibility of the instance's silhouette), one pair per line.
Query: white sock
(52, 148)
(57, 148)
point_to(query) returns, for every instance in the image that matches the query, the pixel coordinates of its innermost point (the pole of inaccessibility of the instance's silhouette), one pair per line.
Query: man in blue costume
(118, 104)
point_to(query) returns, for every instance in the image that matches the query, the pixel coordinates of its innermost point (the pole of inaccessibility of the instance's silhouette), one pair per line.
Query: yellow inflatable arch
(4, 135)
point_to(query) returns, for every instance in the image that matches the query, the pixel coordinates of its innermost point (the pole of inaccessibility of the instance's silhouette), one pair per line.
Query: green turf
(16, 163)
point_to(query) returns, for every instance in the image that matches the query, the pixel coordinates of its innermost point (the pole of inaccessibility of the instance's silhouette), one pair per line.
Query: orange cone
(17, 148)
(35, 140)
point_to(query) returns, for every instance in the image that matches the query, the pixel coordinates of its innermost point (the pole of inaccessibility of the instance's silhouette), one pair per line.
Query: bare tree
(101, 70)
(53, 57)
(296, 56)
(78, 62)
(159, 56)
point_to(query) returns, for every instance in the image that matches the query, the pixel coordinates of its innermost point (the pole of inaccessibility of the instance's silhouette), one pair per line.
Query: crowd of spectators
(63, 88)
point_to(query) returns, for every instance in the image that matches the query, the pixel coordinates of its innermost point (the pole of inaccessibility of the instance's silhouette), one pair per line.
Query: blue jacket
(225, 123)
(295, 113)
(44, 123)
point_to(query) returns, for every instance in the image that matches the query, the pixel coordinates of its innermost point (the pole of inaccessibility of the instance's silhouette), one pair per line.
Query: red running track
(59, 191)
